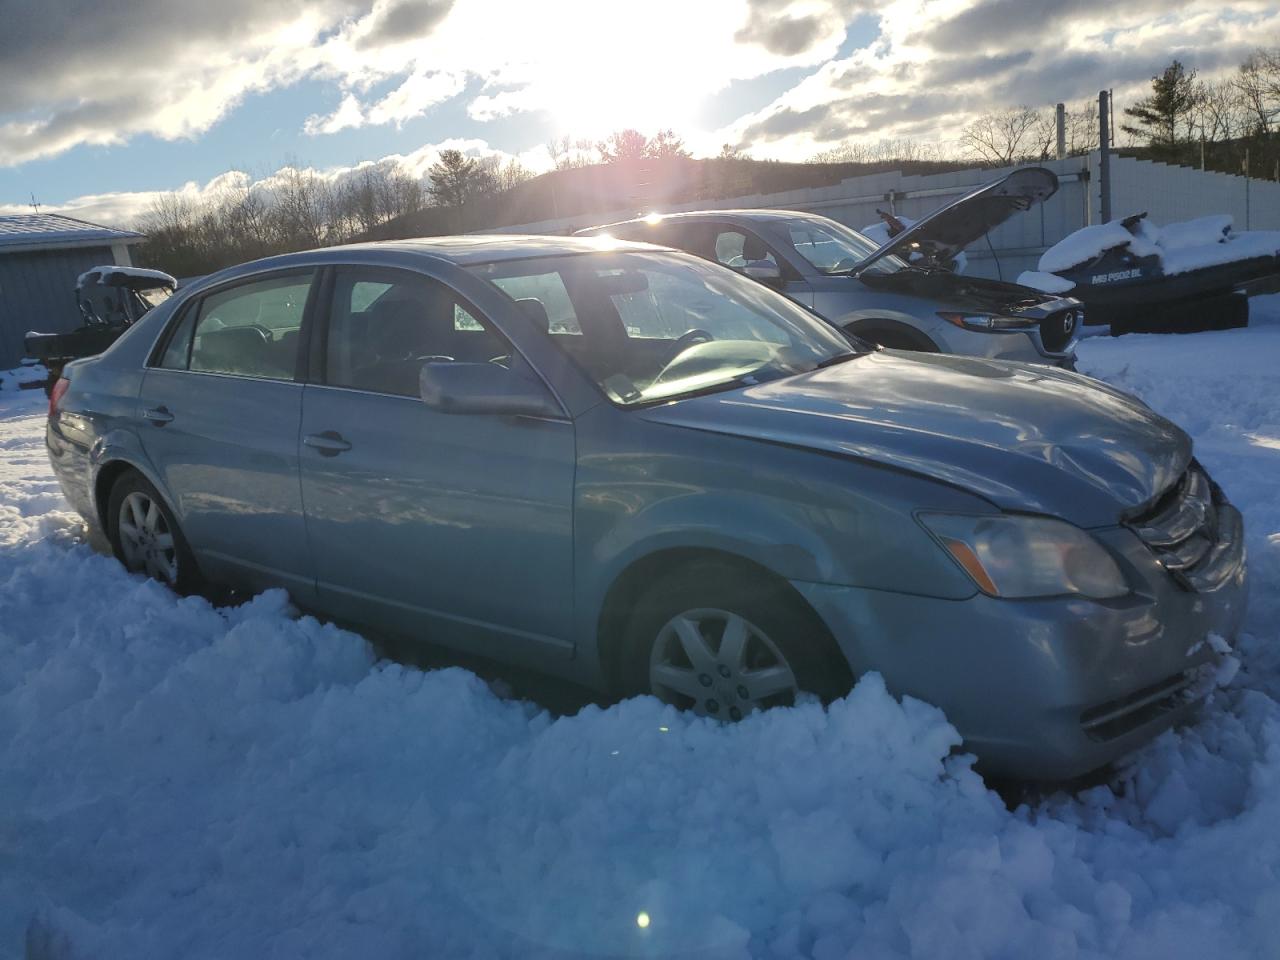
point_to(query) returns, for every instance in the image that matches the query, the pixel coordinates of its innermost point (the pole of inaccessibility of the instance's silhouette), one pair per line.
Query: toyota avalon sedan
(643, 472)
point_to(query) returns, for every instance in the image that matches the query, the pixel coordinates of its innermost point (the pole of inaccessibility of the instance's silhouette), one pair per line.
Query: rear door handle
(329, 443)
(158, 415)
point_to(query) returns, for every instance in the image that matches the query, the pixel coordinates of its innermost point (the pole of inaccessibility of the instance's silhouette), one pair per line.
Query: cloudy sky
(102, 105)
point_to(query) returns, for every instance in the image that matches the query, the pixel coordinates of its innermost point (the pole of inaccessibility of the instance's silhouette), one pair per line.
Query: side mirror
(458, 387)
(762, 270)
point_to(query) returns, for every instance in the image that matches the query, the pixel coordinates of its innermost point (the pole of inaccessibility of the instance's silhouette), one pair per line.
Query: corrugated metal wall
(1170, 193)
(1167, 193)
(37, 292)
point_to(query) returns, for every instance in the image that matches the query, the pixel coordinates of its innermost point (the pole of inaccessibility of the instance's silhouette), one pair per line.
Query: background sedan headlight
(1018, 556)
(988, 321)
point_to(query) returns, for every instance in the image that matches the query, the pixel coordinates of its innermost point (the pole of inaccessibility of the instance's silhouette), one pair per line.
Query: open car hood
(938, 237)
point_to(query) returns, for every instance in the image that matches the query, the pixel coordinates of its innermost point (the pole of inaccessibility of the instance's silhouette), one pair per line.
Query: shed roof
(54, 230)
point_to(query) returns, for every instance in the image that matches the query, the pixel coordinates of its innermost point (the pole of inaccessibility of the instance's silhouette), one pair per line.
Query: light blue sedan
(645, 473)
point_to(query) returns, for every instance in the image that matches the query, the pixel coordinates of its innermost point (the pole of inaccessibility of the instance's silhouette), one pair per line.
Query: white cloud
(125, 208)
(937, 64)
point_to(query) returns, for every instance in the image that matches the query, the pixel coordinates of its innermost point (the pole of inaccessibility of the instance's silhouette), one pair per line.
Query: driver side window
(384, 325)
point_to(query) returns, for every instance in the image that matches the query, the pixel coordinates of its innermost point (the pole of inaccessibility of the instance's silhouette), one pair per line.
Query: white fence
(1167, 193)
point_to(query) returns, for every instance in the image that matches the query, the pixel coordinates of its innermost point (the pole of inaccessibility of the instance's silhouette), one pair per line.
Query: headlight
(988, 321)
(1017, 556)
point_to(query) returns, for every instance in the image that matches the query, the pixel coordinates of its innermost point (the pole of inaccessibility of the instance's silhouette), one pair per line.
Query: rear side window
(177, 354)
(543, 297)
(250, 330)
(736, 249)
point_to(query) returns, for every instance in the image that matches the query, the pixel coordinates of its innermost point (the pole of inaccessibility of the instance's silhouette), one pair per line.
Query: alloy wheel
(719, 664)
(145, 538)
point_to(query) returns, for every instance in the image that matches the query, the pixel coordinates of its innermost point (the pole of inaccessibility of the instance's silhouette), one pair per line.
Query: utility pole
(1104, 153)
(1060, 118)
(34, 205)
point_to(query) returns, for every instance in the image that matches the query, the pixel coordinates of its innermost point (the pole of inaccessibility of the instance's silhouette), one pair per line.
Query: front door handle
(158, 415)
(329, 443)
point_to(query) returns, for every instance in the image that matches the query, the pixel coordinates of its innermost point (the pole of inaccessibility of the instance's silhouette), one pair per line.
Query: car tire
(145, 536)
(674, 645)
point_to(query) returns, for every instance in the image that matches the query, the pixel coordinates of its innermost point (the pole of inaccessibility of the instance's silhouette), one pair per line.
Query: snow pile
(27, 373)
(185, 781)
(1181, 247)
(1083, 245)
(1045, 282)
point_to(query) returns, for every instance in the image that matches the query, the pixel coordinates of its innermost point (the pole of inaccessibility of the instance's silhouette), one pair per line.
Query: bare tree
(1005, 137)
(665, 144)
(626, 144)
(1258, 83)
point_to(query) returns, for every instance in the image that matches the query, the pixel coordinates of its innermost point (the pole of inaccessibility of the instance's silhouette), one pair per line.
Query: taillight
(56, 394)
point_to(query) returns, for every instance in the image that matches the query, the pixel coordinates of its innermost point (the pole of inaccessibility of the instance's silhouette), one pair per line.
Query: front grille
(1058, 329)
(1191, 529)
(1115, 718)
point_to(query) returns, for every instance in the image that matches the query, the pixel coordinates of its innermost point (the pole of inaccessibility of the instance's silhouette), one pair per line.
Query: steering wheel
(690, 338)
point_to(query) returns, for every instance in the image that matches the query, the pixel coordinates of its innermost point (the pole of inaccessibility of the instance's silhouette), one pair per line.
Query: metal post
(1247, 211)
(1104, 151)
(1061, 117)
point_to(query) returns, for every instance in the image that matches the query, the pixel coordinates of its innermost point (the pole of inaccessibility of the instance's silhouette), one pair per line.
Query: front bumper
(1022, 346)
(1047, 689)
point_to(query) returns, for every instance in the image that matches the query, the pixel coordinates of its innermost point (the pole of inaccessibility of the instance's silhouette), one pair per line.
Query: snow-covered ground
(182, 781)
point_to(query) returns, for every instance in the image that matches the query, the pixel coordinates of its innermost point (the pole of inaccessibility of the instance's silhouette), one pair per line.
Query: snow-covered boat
(1137, 276)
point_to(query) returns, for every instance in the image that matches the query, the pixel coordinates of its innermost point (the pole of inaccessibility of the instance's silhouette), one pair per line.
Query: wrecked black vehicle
(111, 299)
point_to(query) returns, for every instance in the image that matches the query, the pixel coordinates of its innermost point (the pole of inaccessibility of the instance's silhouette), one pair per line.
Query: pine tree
(1174, 98)
(453, 178)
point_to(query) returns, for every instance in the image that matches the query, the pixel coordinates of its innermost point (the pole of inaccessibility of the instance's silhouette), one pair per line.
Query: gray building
(41, 255)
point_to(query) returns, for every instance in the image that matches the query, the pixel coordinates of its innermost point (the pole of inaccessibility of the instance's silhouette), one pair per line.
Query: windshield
(833, 248)
(650, 327)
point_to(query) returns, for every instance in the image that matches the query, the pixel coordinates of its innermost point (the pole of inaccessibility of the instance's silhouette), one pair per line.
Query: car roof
(757, 216)
(461, 250)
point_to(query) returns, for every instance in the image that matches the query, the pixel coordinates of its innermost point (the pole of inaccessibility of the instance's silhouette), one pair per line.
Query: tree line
(1217, 123)
(298, 208)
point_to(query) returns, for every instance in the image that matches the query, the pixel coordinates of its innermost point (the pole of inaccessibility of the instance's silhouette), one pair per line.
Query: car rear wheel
(145, 535)
(725, 642)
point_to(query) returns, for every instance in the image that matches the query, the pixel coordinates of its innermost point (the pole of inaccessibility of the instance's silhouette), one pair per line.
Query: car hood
(945, 232)
(965, 293)
(1025, 437)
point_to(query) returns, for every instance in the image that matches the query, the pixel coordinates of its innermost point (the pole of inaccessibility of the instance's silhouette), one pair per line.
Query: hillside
(641, 185)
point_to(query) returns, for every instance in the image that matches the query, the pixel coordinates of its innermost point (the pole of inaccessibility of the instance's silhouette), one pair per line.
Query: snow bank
(185, 781)
(1083, 245)
(27, 373)
(1181, 247)
(1046, 282)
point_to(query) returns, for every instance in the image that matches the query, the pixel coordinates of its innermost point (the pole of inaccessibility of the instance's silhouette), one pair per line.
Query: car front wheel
(725, 642)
